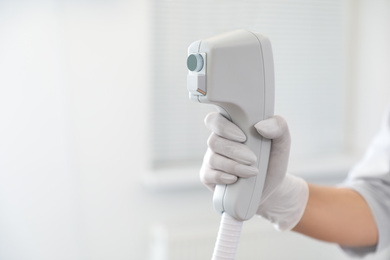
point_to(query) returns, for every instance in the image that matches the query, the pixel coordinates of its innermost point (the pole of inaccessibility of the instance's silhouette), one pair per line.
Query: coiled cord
(228, 238)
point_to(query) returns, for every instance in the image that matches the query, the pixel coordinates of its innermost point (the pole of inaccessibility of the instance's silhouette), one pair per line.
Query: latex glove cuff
(286, 205)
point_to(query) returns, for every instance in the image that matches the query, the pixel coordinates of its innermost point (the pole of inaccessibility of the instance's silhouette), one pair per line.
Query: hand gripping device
(235, 72)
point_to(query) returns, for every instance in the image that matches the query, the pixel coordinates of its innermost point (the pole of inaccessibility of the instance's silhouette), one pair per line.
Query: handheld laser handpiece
(235, 72)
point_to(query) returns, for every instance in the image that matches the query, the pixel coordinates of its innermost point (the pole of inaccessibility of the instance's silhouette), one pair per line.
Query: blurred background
(100, 146)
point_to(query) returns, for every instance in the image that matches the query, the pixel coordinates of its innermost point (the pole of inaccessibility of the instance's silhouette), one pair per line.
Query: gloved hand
(284, 196)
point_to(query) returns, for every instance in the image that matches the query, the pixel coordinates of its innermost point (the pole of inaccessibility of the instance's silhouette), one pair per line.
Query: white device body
(235, 72)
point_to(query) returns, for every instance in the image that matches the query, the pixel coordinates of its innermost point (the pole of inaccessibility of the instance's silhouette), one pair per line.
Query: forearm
(338, 215)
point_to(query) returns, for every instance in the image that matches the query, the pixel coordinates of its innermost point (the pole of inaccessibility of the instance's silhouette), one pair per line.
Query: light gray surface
(194, 238)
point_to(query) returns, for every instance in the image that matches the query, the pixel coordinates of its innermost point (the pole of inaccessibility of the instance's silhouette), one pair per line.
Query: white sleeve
(371, 179)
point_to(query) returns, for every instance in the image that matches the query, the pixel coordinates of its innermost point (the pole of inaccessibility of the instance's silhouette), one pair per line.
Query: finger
(233, 150)
(275, 128)
(272, 128)
(224, 164)
(211, 177)
(218, 124)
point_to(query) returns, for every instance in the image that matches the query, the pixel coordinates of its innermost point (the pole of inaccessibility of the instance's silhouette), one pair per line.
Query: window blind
(308, 40)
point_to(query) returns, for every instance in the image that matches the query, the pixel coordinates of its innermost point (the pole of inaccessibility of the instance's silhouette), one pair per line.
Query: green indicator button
(195, 62)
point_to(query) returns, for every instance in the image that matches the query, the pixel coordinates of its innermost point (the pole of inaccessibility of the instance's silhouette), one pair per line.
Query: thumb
(275, 128)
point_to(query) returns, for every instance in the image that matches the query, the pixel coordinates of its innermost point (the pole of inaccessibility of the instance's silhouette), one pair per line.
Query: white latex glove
(284, 196)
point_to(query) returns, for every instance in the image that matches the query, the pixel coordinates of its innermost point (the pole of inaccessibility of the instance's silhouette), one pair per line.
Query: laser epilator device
(235, 72)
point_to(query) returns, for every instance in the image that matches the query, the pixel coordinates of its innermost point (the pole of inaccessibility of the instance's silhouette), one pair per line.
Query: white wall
(370, 64)
(74, 131)
(38, 183)
(73, 142)
(106, 57)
